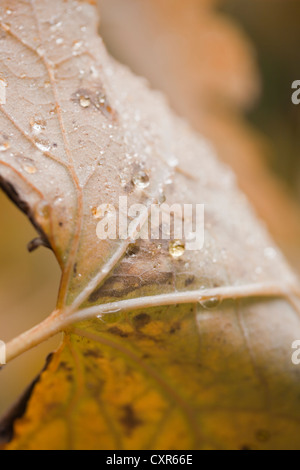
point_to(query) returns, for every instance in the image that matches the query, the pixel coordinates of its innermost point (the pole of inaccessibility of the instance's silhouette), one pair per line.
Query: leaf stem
(60, 320)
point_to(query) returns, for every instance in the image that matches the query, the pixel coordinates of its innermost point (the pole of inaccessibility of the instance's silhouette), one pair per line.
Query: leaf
(210, 80)
(145, 362)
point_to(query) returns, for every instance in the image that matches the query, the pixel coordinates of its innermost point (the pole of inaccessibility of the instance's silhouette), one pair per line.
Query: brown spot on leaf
(65, 366)
(141, 320)
(132, 250)
(94, 353)
(129, 419)
(189, 281)
(175, 327)
(120, 286)
(118, 332)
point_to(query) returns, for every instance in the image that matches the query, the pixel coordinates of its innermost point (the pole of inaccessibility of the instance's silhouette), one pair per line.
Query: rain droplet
(30, 169)
(176, 248)
(42, 145)
(100, 317)
(58, 201)
(105, 270)
(173, 162)
(54, 27)
(40, 51)
(141, 180)
(84, 101)
(210, 304)
(94, 72)
(96, 213)
(43, 209)
(76, 47)
(101, 211)
(38, 125)
(4, 146)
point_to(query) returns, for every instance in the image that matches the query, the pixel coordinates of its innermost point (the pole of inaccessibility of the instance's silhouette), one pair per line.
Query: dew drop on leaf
(38, 125)
(141, 180)
(76, 47)
(40, 51)
(4, 146)
(176, 248)
(84, 101)
(31, 170)
(42, 145)
(210, 304)
(43, 209)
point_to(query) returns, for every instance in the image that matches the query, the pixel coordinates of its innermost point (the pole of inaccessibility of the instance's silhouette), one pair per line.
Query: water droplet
(173, 162)
(4, 145)
(210, 304)
(43, 210)
(43, 145)
(37, 125)
(40, 51)
(101, 211)
(176, 248)
(96, 213)
(54, 27)
(141, 180)
(94, 72)
(76, 47)
(84, 101)
(99, 317)
(105, 270)
(30, 169)
(58, 201)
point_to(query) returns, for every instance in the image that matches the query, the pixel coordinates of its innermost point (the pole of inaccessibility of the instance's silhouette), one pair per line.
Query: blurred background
(273, 28)
(226, 66)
